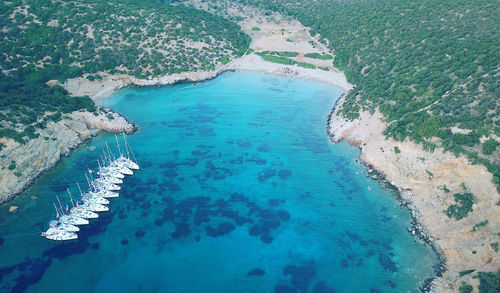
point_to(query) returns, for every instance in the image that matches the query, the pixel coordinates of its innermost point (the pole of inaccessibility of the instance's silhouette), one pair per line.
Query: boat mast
(104, 154)
(79, 189)
(88, 181)
(130, 149)
(57, 211)
(60, 204)
(126, 146)
(70, 197)
(110, 153)
(103, 160)
(118, 144)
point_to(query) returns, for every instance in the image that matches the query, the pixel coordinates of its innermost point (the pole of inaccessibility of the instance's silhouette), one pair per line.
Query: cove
(240, 190)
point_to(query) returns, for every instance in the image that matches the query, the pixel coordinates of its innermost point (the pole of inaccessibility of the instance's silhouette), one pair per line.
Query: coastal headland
(40, 154)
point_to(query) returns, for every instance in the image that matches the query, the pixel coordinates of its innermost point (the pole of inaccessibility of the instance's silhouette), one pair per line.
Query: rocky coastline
(417, 228)
(458, 248)
(22, 164)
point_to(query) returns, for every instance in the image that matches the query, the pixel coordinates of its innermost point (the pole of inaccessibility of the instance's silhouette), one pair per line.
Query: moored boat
(59, 234)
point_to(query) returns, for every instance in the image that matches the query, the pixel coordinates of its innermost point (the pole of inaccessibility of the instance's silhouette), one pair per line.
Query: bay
(240, 190)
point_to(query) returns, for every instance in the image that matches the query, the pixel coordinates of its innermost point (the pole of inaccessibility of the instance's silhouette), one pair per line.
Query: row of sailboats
(102, 186)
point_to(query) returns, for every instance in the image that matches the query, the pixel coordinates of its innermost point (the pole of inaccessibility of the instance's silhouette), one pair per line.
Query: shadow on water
(18, 277)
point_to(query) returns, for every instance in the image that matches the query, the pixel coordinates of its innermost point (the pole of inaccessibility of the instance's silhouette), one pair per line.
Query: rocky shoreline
(57, 140)
(417, 228)
(425, 182)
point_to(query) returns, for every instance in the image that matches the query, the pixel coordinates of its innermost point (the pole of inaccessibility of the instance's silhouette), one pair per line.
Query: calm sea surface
(239, 190)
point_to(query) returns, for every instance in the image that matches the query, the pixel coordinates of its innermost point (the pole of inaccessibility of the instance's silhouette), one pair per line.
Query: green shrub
(306, 65)
(12, 165)
(479, 225)
(284, 53)
(462, 207)
(276, 59)
(319, 56)
(225, 59)
(256, 29)
(494, 245)
(465, 288)
(490, 146)
(467, 272)
(489, 282)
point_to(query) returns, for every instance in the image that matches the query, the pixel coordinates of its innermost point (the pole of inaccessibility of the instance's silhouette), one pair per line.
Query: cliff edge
(427, 181)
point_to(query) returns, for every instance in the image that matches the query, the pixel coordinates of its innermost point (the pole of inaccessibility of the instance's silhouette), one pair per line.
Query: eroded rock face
(427, 182)
(56, 140)
(116, 124)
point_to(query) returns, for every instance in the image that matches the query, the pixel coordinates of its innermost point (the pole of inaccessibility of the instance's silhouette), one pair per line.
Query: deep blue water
(240, 191)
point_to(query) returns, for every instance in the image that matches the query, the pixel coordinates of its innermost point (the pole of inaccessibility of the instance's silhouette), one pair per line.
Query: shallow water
(240, 191)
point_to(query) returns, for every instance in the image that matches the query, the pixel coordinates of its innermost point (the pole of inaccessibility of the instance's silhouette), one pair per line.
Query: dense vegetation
(319, 56)
(60, 39)
(431, 67)
(463, 206)
(489, 282)
(283, 57)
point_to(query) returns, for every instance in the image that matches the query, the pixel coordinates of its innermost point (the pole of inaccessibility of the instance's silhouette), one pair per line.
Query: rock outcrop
(21, 164)
(427, 182)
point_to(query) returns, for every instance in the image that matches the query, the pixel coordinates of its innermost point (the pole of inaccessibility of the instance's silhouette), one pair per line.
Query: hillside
(430, 67)
(45, 43)
(56, 40)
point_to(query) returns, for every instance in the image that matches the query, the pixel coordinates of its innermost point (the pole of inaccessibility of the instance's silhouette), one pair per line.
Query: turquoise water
(240, 191)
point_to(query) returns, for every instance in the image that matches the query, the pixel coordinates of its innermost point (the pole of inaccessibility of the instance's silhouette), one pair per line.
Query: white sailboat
(94, 198)
(59, 234)
(66, 216)
(110, 172)
(84, 213)
(108, 179)
(125, 161)
(71, 219)
(94, 207)
(106, 193)
(64, 226)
